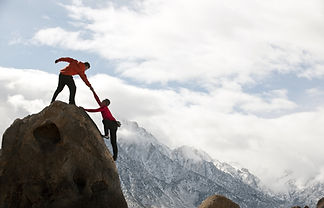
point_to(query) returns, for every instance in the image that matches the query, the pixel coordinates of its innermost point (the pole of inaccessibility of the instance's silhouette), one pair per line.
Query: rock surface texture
(218, 201)
(57, 158)
(320, 203)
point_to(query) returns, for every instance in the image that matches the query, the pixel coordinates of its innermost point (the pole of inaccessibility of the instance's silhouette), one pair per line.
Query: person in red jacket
(65, 78)
(110, 123)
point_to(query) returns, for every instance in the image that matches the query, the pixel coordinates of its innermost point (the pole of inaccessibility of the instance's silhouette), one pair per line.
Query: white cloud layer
(209, 121)
(205, 41)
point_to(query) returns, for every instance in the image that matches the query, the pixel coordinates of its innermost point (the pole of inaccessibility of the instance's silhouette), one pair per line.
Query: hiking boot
(105, 136)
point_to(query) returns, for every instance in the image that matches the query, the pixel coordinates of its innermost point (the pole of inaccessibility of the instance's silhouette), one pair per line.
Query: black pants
(65, 80)
(112, 127)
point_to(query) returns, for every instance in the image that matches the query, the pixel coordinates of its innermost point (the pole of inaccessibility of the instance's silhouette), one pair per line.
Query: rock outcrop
(57, 158)
(218, 201)
(320, 203)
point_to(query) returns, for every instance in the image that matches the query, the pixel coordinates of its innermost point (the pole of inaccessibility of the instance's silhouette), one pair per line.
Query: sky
(241, 80)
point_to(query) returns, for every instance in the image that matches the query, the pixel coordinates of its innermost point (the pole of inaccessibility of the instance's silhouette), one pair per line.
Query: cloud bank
(204, 42)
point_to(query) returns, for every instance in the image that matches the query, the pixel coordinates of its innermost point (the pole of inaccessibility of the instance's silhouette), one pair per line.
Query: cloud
(61, 38)
(277, 101)
(186, 41)
(206, 120)
(314, 92)
(315, 72)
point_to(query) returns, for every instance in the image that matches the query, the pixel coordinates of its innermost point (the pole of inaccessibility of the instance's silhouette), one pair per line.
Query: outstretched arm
(85, 79)
(94, 110)
(65, 59)
(96, 97)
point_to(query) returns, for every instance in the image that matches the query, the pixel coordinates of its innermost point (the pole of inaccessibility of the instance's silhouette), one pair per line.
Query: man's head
(105, 102)
(87, 65)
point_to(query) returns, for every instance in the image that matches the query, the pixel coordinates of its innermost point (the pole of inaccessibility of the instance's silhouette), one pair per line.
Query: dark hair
(107, 101)
(87, 64)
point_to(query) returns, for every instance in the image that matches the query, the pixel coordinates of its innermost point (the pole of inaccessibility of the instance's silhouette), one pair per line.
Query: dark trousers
(111, 126)
(65, 80)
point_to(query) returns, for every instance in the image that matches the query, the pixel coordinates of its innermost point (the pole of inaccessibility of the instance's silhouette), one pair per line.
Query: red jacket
(105, 112)
(75, 67)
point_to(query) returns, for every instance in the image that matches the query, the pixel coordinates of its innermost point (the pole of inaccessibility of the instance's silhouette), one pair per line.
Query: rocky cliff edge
(57, 158)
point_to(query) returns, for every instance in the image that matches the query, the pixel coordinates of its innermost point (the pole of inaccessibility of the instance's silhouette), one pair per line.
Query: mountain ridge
(185, 176)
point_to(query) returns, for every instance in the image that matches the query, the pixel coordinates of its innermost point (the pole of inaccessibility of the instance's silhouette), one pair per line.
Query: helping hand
(118, 123)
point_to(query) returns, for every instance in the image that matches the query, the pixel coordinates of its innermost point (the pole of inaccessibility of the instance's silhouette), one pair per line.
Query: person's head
(87, 65)
(105, 102)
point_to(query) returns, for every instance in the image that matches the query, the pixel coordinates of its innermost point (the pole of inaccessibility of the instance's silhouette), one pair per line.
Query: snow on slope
(153, 175)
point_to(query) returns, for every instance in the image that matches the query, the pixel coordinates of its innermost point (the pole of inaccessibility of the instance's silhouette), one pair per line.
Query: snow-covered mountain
(308, 195)
(153, 175)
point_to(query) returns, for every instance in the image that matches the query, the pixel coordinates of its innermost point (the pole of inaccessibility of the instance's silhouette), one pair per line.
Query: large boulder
(217, 201)
(320, 203)
(57, 158)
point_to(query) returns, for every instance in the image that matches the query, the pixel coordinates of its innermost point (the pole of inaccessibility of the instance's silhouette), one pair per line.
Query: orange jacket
(74, 67)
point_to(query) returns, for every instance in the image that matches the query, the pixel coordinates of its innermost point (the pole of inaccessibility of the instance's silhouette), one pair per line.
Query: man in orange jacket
(65, 77)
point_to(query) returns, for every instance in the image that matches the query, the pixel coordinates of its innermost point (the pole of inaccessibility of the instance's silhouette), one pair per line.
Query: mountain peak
(153, 175)
(192, 153)
(131, 132)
